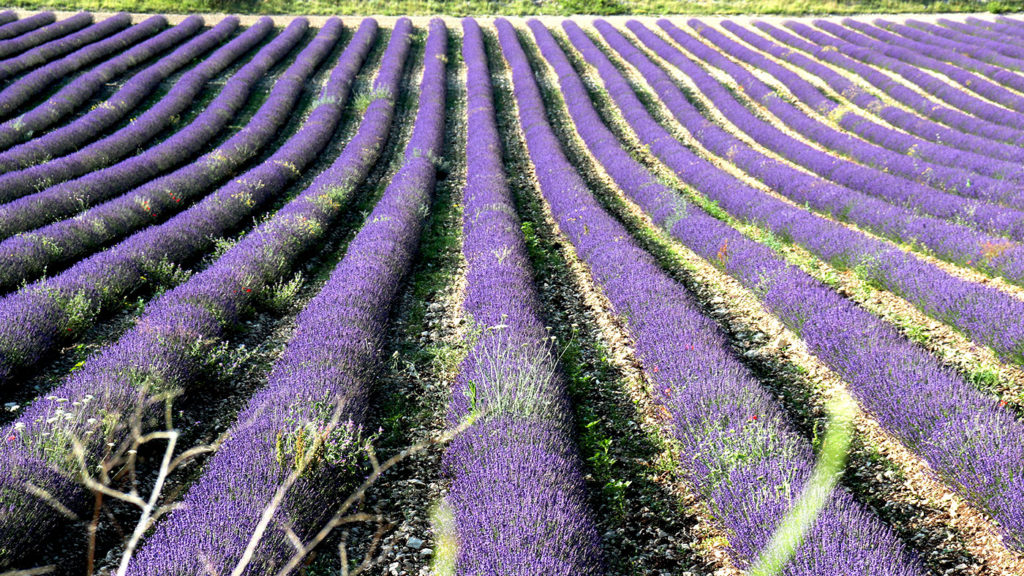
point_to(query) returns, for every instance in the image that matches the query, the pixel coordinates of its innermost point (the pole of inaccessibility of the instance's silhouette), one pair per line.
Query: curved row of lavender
(167, 348)
(40, 35)
(984, 111)
(44, 249)
(929, 126)
(319, 387)
(49, 312)
(127, 98)
(1000, 180)
(978, 310)
(78, 90)
(992, 82)
(54, 49)
(67, 198)
(11, 26)
(881, 184)
(30, 85)
(924, 106)
(963, 434)
(517, 494)
(95, 154)
(734, 442)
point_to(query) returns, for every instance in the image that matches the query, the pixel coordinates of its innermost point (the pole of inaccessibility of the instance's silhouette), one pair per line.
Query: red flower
(753, 418)
(1002, 403)
(11, 438)
(248, 289)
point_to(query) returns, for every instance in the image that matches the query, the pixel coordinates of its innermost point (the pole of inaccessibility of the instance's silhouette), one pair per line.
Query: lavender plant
(517, 497)
(119, 54)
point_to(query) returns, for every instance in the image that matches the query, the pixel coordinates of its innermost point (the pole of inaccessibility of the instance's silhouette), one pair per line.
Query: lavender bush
(993, 184)
(80, 89)
(517, 494)
(11, 26)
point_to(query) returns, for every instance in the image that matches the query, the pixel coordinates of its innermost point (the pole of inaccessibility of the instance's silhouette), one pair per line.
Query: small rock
(426, 553)
(414, 543)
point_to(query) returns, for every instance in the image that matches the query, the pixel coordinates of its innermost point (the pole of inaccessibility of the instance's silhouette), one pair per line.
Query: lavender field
(584, 296)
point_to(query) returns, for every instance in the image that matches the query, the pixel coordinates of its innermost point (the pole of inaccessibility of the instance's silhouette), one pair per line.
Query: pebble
(414, 543)
(426, 553)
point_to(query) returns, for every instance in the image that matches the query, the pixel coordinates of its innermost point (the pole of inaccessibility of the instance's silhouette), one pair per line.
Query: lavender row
(929, 124)
(978, 48)
(965, 436)
(127, 140)
(67, 198)
(29, 255)
(319, 389)
(517, 494)
(166, 349)
(55, 309)
(54, 49)
(947, 240)
(95, 121)
(80, 89)
(986, 112)
(895, 190)
(906, 147)
(734, 442)
(954, 65)
(51, 31)
(32, 84)
(11, 27)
